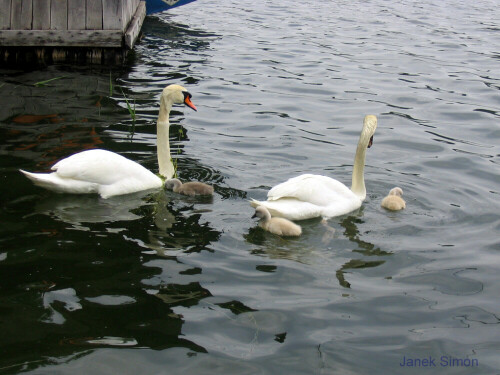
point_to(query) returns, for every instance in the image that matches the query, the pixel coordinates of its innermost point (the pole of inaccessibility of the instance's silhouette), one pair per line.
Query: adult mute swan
(276, 225)
(393, 201)
(107, 173)
(307, 196)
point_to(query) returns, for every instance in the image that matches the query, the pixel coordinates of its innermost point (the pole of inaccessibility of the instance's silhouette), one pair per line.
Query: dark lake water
(155, 283)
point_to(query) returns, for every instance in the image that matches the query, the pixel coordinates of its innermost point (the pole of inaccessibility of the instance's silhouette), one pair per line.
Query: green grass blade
(44, 83)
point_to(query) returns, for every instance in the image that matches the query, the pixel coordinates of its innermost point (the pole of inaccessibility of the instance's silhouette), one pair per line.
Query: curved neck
(358, 179)
(162, 139)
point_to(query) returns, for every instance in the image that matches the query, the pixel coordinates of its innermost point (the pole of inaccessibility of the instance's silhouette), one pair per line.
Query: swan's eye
(371, 142)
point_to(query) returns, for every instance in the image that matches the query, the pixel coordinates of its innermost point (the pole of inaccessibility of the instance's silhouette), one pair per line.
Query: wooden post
(112, 15)
(21, 15)
(59, 15)
(135, 24)
(77, 14)
(5, 5)
(94, 15)
(41, 12)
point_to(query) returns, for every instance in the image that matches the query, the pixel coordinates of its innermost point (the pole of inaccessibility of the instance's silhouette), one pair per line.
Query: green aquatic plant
(131, 110)
(44, 83)
(110, 86)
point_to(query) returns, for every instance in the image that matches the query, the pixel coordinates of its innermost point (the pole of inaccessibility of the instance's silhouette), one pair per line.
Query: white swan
(276, 225)
(393, 201)
(309, 195)
(107, 173)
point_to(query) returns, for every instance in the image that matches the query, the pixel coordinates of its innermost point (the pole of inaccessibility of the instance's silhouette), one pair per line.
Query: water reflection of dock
(55, 30)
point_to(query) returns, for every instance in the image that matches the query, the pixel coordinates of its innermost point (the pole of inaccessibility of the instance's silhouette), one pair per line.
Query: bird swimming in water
(189, 188)
(276, 225)
(393, 201)
(107, 173)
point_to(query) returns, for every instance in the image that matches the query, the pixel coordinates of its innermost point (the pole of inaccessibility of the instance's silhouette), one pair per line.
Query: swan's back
(96, 171)
(308, 196)
(99, 166)
(315, 189)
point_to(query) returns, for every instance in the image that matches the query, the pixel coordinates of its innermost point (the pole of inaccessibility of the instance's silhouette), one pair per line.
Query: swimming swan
(393, 201)
(276, 225)
(309, 195)
(189, 188)
(107, 173)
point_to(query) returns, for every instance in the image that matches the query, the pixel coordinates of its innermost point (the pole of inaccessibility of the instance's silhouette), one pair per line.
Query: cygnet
(393, 201)
(189, 188)
(276, 225)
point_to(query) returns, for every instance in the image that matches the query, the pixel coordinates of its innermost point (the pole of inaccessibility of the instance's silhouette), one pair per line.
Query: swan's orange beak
(371, 142)
(188, 102)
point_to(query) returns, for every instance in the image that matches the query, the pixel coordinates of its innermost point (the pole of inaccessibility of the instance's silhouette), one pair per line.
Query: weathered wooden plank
(129, 11)
(5, 5)
(21, 14)
(134, 4)
(62, 38)
(112, 15)
(58, 15)
(41, 14)
(125, 13)
(135, 25)
(94, 15)
(76, 14)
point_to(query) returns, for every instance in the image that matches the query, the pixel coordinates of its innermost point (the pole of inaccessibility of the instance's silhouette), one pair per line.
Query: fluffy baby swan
(393, 201)
(276, 225)
(189, 188)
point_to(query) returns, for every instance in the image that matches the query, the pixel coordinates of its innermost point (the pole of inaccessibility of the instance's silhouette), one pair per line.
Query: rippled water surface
(156, 283)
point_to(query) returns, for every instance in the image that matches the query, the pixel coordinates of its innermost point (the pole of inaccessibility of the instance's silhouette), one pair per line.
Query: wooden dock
(53, 30)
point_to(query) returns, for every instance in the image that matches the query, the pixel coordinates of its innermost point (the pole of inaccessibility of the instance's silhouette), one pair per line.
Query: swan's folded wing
(98, 166)
(292, 187)
(316, 189)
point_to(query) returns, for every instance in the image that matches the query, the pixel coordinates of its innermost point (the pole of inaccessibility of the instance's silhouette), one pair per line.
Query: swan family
(303, 197)
(107, 173)
(308, 195)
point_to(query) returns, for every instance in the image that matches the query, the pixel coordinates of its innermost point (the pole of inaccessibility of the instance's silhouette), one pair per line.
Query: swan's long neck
(162, 139)
(358, 177)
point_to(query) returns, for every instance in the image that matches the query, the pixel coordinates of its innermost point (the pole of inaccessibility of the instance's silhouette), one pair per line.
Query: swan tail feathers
(254, 203)
(51, 181)
(39, 179)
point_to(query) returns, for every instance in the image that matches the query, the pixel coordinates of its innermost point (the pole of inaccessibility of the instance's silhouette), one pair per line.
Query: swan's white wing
(316, 189)
(100, 167)
(96, 171)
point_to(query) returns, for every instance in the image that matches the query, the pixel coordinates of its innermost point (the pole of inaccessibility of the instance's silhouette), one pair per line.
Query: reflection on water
(61, 302)
(276, 247)
(155, 282)
(80, 209)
